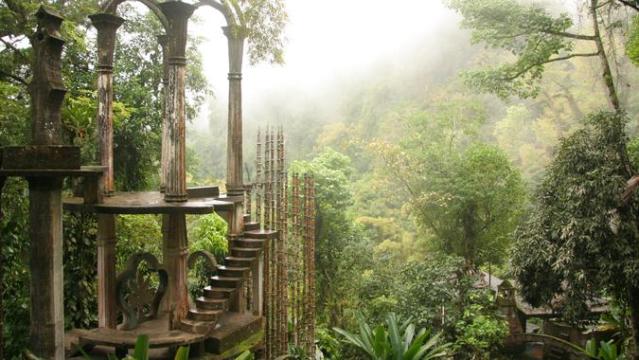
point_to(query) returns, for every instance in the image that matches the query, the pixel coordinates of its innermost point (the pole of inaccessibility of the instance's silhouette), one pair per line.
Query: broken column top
(47, 87)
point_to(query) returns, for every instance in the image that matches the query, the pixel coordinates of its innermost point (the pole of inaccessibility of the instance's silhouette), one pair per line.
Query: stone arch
(110, 6)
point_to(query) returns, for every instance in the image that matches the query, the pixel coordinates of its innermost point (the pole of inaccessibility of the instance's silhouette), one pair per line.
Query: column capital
(236, 32)
(107, 26)
(106, 22)
(177, 14)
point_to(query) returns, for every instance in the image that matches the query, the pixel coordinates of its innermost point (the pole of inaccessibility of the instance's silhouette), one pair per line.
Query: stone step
(197, 327)
(246, 218)
(245, 252)
(218, 293)
(260, 234)
(211, 304)
(251, 226)
(232, 271)
(249, 243)
(204, 315)
(225, 282)
(234, 261)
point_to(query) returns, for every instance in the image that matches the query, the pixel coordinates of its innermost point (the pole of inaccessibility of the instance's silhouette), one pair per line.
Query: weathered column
(257, 272)
(47, 302)
(107, 26)
(177, 14)
(45, 193)
(175, 252)
(163, 40)
(234, 174)
(175, 247)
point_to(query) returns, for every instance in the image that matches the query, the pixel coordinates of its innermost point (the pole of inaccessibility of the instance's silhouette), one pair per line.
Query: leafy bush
(137, 233)
(80, 271)
(395, 341)
(481, 334)
(208, 233)
(14, 235)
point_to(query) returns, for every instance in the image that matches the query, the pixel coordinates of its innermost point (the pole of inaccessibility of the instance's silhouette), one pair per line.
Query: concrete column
(163, 40)
(234, 162)
(175, 244)
(175, 252)
(47, 285)
(177, 14)
(107, 26)
(257, 300)
(45, 194)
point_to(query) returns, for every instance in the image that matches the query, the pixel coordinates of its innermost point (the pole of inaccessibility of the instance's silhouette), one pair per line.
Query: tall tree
(463, 193)
(536, 38)
(582, 238)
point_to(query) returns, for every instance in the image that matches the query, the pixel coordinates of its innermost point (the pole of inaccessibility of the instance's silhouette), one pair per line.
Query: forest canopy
(501, 147)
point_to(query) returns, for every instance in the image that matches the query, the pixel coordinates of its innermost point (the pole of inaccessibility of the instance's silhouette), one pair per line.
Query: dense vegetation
(426, 173)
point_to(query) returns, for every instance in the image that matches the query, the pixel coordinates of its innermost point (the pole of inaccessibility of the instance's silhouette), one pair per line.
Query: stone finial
(47, 88)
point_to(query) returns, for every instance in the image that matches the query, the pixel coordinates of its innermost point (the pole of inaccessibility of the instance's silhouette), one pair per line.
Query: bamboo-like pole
(267, 178)
(276, 244)
(267, 249)
(285, 265)
(311, 260)
(258, 179)
(301, 271)
(273, 181)
(282, 245)
(294, 257)
(303, 296)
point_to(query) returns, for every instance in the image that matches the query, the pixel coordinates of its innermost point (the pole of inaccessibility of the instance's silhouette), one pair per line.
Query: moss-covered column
(107, 26)
(163, 40)
(175, 244)
(234, 174)
(177, 14)
(45, 193)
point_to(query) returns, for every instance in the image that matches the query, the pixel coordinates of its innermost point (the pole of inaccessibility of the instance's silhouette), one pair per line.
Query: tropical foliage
(395, 340)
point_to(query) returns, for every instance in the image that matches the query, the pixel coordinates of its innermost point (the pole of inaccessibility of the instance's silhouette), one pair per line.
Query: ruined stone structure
(253, 282)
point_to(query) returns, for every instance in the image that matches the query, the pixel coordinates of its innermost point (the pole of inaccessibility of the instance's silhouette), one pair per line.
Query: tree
(262, 23)
(342, 251)
(581, 239)
(536, 38)
(463, 193)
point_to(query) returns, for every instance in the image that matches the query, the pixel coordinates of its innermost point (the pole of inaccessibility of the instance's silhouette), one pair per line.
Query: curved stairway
(224, 287)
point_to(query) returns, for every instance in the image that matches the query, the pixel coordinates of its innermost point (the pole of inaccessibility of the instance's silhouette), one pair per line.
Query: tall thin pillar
(163, 40)
(45, 193)
(234, 174)
(107, 26)
(177, 14)
(175, 244)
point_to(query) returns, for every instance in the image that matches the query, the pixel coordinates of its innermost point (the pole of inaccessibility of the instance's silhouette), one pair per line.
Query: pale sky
(327, 40)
